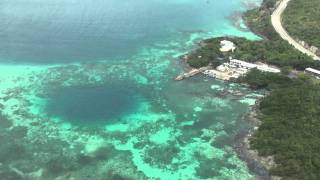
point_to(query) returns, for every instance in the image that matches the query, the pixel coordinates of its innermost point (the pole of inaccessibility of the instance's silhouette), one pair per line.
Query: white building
(236, 68)
(227, 46)
(266, 68)
(245, 65)
(313, 72)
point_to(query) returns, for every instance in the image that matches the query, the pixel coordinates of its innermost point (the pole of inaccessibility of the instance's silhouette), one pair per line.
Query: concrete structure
(236, 68)
(260, 66)
(267, 68)
(222, 68)
(191, 73)
(241, 64)
(313, 72)
(226, 71)
(227, 46)
(217, 74)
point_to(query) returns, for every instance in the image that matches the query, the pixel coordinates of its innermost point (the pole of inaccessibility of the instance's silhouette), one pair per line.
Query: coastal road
(276, 23)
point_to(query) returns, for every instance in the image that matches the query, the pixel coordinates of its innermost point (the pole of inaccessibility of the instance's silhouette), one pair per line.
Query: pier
(191, 73)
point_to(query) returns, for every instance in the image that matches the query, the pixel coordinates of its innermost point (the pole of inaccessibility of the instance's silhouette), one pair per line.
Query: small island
(285, 135)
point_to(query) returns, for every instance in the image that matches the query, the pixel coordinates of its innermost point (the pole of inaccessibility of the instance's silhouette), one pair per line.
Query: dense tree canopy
(302, 20)
(275, 52)
(290, 129)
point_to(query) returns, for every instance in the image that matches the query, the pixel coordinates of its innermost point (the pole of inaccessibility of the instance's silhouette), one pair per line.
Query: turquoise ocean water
(87, 90)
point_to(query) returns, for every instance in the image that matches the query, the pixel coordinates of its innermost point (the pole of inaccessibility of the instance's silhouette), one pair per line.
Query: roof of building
(227, 46)
(313, 70)
(268, 69)
(243, 63)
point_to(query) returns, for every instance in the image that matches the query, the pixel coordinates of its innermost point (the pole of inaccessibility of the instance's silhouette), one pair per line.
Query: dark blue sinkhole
(92, 105)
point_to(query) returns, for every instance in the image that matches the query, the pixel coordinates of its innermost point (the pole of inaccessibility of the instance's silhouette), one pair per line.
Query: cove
(86, 105)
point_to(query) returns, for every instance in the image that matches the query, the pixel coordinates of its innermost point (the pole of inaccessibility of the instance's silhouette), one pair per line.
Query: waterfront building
(313, 72)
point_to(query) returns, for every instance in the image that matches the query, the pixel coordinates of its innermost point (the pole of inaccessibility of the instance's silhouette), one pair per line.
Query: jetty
(191, 73)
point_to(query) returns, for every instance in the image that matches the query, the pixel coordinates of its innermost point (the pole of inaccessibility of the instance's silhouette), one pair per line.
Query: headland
(285, 122)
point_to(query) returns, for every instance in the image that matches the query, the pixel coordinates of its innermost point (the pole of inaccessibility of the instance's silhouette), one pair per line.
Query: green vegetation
(290, 114)
(302, 19)
(265, 80)
(290, 129)
(209, 53)
(259, 20)
(275, 52)
(271, 50)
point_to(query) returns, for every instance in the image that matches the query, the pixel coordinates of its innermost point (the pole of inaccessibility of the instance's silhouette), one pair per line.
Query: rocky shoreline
(257, 164)
(262, 166)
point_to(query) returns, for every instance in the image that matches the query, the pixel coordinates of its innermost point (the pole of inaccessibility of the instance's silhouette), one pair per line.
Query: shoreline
(257, 164)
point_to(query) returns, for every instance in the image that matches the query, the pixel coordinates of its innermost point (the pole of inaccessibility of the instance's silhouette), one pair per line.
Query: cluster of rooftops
(243, 66)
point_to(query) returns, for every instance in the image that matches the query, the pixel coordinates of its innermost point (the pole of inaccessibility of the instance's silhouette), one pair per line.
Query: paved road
(276, 23)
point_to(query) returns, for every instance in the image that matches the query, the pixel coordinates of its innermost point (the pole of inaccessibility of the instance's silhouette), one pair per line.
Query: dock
(191, 73)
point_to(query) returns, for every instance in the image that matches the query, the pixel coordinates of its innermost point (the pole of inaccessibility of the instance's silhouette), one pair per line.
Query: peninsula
(286, 139)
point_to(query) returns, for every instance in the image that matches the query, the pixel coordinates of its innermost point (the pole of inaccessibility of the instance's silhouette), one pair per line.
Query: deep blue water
(155, 127)
(92, 104)
(60, 31)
